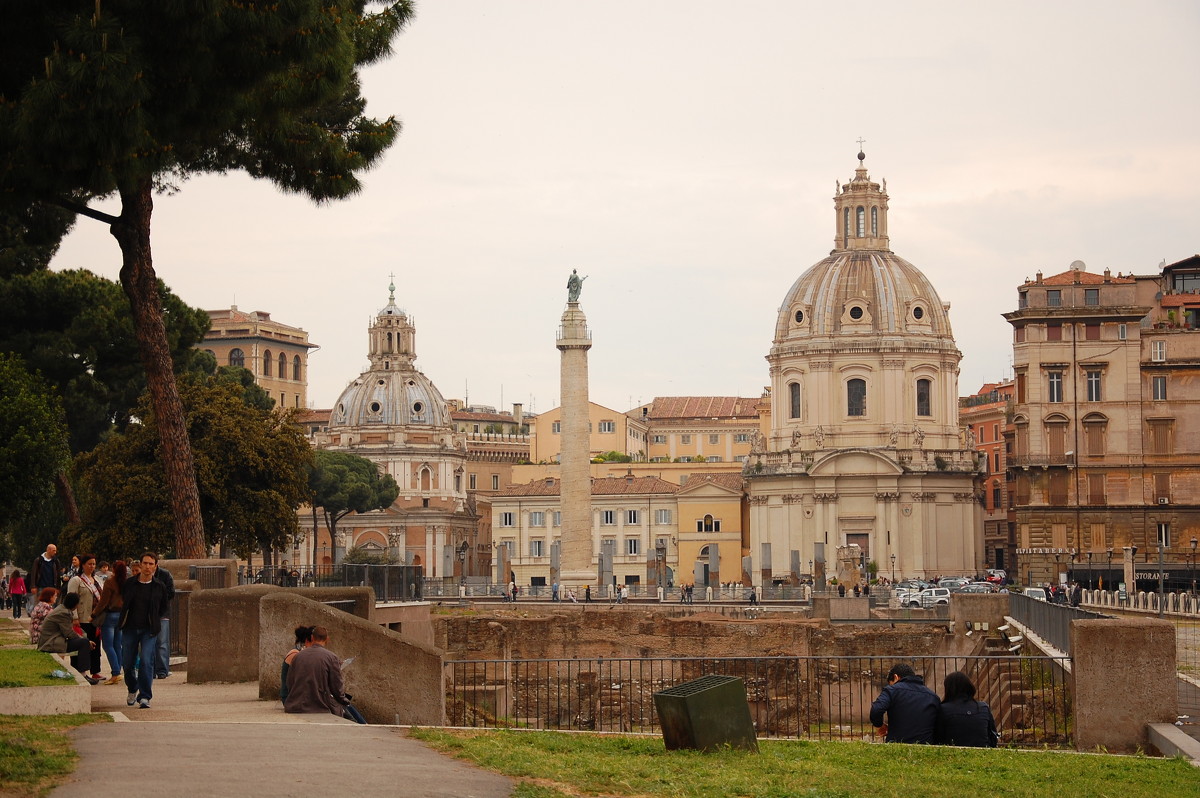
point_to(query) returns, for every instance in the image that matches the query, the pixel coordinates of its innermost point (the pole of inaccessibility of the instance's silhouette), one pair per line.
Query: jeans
(111, 636)
(350, 711)
(18, 601)
(139, 680)
(162, 661)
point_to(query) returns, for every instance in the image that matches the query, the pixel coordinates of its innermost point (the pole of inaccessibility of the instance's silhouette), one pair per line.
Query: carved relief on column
(926, 496)
(757, 500)
(825, 497)
(888, 496)
(793, 498)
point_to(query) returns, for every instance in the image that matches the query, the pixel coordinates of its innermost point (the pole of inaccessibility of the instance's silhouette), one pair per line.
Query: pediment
(854, 461)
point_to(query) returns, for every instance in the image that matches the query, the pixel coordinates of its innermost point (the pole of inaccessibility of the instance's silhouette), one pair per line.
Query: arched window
(924, 403)
(794, 400)
(425, 479)
(389, 342)
(862, 221)
(874, 221)
(296, 368)
(267, 363)
(237, 358)
(708, 524)
(282, 366)
(856, 397)
(846, 227)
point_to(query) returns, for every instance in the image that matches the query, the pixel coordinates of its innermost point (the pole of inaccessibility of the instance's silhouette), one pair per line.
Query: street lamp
(1108, 568)
(1193, 562)
(894, 567)
(1057, 559)
(1160, 576)
(1089, 554)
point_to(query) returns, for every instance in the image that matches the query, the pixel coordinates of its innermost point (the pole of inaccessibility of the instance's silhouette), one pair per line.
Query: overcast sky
(683, 156)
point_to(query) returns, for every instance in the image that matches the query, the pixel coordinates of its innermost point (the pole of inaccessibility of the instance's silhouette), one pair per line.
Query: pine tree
(124, 97)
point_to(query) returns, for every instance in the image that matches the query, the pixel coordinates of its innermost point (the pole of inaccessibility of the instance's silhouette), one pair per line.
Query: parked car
(954, 583)
(930, 597)
(1036, 593)
(997, 576)
(978, 587)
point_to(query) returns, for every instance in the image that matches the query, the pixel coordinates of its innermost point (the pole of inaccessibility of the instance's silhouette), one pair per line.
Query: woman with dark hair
(106, 614)
(303, 640)
(85, 585)
(46, 600)
(961, 719)
(16, 591)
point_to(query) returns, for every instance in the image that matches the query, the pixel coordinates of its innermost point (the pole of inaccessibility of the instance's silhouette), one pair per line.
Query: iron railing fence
(1051, 622)
(390, 582)
(178, 636)
(817, 698)
(209, 576)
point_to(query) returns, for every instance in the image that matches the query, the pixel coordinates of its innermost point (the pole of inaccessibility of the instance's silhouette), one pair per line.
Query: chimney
(518, 412)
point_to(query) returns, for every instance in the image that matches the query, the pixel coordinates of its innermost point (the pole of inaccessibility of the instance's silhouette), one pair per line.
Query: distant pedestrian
(753, 597)
(571, 595)
(624, 594)
(910, 706)
(46, 572)
(841, 590)
(145, 602)
(17, 591)
(961, 719)
(587, 592)
(857, 591)
(554, 592)
(1076, 595)
(107, 615)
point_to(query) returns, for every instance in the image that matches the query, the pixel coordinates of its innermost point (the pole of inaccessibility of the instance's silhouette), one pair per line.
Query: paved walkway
(220, 740)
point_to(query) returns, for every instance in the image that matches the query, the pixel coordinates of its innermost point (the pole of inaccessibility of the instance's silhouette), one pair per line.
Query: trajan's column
(574, 341)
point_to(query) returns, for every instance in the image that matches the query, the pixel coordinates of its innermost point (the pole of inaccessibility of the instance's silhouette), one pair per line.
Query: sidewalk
(220, 740)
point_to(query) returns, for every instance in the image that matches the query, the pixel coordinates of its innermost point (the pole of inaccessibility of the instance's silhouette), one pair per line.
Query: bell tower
(861, 209)
(392, 342)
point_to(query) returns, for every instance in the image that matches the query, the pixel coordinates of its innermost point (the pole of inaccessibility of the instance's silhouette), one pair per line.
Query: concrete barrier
(1123, 679)
(223, 627)
(181, 569)
(393, 679)
(971, 610)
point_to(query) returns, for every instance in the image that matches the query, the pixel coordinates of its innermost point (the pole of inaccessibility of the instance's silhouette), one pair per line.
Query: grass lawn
(36, 753)
(25, 667)
(13, 633)
(553, 765)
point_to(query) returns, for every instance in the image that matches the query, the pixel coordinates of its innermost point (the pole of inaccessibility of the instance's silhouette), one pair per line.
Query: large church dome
(392, 392)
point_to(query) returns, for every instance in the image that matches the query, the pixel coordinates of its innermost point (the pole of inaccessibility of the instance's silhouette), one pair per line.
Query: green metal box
(708, 714)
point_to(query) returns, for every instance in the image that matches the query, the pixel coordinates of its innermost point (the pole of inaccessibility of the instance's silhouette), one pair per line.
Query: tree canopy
(123, 97)
(343, 483)
(33, 436)
(253, 467)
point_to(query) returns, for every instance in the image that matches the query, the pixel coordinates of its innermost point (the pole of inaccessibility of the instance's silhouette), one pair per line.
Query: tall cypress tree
(103, 98)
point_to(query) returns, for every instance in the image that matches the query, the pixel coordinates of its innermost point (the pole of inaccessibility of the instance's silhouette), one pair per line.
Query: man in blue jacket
(911, 707)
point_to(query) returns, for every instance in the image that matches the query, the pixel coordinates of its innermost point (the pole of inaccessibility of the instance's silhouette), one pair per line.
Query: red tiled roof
(1085, 278)
(466, 415)
(603, 486)
(730, 481)
(311, 415)
(702, 407)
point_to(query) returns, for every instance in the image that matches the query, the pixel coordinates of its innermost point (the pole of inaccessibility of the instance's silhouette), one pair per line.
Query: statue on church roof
(574, 285)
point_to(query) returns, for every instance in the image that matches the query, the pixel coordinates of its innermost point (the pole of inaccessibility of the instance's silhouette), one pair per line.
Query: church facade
(860, 442)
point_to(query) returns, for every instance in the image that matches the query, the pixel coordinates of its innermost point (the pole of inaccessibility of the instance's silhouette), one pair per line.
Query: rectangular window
(996, 458)
(1095, 483)
(608, 426)
(741, 458)
(537, 518)
(662, 516)
(535, 547)
(1091, 332)
(995, 432)
(1158, 388)
(558, 518)
(1091, 296)
(714, 439)
(471, 478)
(1099, 539)
(659, 439)
(997, 497)
(1162, 487)
(608, 517)
(495, 482)
(741, 437)
(1019, 335)
(556, 427)
(631, 517)
(507, 519)
(924, 404)
(1055, 386)
(1093, 438)
(856, 397)
(1054, 298)
(1054, 332)
(685, 439)
(1122, 332)
(1022, 299)
(1021, 389)
(1158, 351)
(1093, 386)
(1058, 487)
(633, 546)
(1160, 436)
(1164, 534)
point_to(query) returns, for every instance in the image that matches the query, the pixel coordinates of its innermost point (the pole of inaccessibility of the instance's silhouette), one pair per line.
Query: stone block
(392, 678)
(967, 610)
(1123, 679)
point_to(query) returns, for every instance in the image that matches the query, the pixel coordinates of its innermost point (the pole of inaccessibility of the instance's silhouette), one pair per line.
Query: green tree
(33, 436)
(252, 466)
(124, 97)
(344, 483)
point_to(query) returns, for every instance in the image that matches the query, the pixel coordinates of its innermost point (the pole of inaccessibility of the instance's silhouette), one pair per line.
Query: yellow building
(609, 431)
(698, 429)
(276, 354)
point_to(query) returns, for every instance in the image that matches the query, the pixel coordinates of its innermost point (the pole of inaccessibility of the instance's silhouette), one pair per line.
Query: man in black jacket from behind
(911, 707)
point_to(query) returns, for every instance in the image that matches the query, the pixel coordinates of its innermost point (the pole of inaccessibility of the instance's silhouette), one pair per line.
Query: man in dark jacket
(145, 603)
(911, 707)
(44, 573)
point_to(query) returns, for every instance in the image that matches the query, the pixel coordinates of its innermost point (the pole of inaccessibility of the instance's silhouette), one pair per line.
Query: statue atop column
(574, 285)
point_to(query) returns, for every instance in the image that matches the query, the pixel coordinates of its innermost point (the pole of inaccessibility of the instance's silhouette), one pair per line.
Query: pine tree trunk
(141, 286)
(66, 495)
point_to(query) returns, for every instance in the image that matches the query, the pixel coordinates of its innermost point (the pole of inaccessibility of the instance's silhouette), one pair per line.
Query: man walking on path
(45, 573)
(911, 707)
(145, 603)
(314, 680)
(162, 663)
